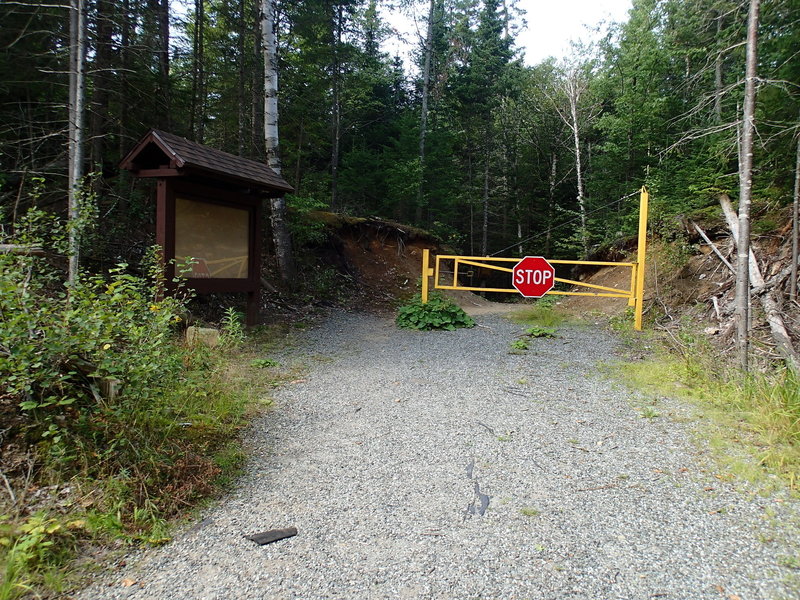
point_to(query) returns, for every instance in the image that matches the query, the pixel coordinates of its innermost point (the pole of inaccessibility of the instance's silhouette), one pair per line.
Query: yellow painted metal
(644, 200)
(592, 286)
(634, 295)
(632, 299)
(426, 273)
(596, 263)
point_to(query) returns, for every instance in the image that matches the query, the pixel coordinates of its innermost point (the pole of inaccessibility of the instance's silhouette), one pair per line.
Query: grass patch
(753, 421)
(543, 313)
(530, 511)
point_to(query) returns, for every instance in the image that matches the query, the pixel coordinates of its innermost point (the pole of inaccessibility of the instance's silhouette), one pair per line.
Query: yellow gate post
(426, 272)
(644, 197)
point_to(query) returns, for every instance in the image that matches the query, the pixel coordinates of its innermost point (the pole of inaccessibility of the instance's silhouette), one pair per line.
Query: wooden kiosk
(209, 208)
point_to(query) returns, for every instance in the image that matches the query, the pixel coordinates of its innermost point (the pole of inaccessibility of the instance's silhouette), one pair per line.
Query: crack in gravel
(366, 456)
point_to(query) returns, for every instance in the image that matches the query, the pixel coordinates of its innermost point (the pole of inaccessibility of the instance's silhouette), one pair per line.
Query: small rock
(202, 335)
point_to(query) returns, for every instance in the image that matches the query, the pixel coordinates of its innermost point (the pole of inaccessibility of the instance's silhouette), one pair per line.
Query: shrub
(97, 386)
(438, 313)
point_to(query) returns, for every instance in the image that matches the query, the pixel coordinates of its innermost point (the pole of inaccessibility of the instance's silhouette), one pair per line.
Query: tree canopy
(500, 165)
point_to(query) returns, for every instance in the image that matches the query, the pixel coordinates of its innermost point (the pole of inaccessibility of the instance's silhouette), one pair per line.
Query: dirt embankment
(686, 279)
(383, 261)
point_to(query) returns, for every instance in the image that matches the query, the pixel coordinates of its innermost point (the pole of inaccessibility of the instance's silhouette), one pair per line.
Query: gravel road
(439, 465)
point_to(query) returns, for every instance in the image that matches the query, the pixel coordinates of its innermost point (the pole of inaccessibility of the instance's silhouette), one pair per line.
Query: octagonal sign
(533, 276)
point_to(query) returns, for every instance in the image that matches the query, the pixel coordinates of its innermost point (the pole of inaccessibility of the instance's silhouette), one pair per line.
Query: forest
(111, 425)
(470, 143)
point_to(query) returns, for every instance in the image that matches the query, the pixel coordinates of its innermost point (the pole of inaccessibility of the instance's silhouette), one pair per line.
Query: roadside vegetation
(751, 421)
(112, 425)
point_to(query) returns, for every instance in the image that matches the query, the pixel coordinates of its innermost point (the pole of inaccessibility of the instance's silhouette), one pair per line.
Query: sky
(551, 24)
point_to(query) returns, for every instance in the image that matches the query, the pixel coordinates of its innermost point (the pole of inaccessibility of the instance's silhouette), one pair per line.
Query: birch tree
(77, 95)
(280, 229)
(569, 101)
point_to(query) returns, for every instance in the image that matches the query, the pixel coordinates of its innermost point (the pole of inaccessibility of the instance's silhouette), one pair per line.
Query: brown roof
(185, 154)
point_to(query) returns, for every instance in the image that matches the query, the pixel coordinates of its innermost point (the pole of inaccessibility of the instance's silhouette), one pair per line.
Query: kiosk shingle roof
(185, 154)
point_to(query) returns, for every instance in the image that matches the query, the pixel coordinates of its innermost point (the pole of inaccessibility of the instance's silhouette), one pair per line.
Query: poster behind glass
(215, 236)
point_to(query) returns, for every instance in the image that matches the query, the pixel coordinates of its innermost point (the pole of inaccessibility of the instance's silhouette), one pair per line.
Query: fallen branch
(768, 300)
(714, 248)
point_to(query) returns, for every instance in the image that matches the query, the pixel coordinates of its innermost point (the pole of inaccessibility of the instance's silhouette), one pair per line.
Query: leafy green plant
(107, 396)
(263, 363)
(232, 327)
(438, 313)
(34, 544)
(520, 344)
(540, 332)
(649, 412)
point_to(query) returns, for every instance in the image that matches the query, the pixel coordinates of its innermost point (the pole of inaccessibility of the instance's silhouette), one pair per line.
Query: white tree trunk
(77, 94)
(485, 222)
(280, 230)
(574, 90)
(270, 48)
(746, 187)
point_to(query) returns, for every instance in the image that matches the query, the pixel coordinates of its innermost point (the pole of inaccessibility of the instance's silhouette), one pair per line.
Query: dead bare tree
(765, 290)
(795, 203)
(746, 187)
(573, 88)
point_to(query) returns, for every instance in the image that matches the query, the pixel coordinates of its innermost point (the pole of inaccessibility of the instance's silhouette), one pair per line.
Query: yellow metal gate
(447, 269)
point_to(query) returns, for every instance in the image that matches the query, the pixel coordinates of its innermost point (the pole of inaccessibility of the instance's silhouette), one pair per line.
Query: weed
(792, 562)
(754, 421)
(438, 313)
(542, 314)
(540, 332)
(520, 344)
(530, 511)
(232, 328)
(31, 546)
(648, 412)
(142, 455)
(264, 363)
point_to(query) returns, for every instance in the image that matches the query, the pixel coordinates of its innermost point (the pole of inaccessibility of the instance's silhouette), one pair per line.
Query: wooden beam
(162, 172)
(20, 249)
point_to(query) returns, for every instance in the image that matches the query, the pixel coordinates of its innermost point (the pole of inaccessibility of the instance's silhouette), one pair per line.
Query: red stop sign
(533, 276)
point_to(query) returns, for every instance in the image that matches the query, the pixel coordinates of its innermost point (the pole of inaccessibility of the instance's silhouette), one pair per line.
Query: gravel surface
(439, 465)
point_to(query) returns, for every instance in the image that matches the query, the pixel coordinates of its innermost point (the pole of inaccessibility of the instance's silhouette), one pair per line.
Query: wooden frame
(168, 190)
(187, 169)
